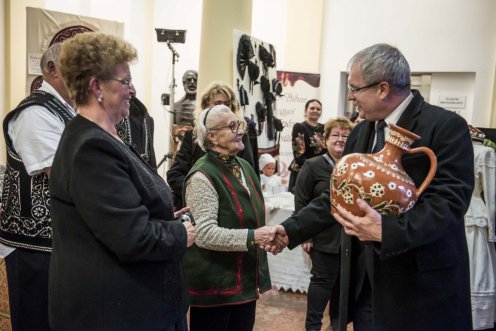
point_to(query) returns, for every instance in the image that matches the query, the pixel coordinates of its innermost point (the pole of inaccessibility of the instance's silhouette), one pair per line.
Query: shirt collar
(47, 87)
(396, 114)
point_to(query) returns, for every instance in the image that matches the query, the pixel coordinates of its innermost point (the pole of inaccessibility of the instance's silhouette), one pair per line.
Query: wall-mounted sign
(452, 102)
(34, 64)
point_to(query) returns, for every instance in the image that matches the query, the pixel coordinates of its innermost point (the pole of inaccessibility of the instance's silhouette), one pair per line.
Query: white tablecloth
(290, 269)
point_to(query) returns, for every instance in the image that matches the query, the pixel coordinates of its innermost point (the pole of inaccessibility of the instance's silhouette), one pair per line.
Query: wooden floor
(280, 310)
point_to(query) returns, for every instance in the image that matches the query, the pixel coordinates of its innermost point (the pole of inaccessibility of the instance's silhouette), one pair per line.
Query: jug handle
(432, 170)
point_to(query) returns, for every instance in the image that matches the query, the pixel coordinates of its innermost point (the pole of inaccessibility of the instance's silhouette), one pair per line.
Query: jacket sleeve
(247, 154)
(309, 221)
(180, 167)
(153, 160)
(111, 206)
(303, 191)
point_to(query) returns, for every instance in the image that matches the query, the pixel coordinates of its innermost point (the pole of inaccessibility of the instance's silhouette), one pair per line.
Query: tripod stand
(169, 37)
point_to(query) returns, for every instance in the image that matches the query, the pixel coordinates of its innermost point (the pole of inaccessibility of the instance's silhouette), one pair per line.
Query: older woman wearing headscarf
(225, 270)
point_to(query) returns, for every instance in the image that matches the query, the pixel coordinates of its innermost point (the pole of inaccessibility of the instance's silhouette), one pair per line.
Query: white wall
(457, 85)
(449, 36)
(152, 73)
(180, 15)
(269, 20)
(442, 36)
(294, 28)
(131, 13)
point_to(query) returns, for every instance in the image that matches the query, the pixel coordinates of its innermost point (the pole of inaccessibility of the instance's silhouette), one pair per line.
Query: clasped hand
(272, 239)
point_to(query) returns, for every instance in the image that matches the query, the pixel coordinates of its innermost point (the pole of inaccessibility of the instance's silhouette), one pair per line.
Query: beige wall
(219, 19)
(303, 35)
(3, 64)
(14, 55)
(15, 49)
(493, 112)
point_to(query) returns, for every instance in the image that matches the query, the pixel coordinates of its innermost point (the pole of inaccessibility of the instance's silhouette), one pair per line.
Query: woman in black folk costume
(307, 139)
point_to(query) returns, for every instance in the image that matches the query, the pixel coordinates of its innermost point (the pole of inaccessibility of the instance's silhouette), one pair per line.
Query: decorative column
(219, 19)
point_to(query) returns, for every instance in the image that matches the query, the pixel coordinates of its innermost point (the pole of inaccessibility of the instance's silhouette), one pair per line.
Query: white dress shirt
(35, 134)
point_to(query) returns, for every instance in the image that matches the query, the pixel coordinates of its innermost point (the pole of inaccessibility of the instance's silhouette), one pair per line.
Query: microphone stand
(172, 152)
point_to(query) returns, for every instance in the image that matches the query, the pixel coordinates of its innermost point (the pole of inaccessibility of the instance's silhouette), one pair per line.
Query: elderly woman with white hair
(226, 270)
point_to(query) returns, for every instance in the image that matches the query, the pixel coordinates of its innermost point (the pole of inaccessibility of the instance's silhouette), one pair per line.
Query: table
(290, 269)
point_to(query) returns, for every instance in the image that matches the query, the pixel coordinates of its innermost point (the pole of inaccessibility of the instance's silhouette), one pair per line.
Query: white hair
(202, 127)
(50, 55)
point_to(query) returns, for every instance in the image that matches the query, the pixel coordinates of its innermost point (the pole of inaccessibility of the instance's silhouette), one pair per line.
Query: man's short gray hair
(383, 62)
(50, 55)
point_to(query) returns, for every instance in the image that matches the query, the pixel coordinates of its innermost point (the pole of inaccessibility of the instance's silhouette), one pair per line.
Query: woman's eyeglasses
(336, 136)
(128, 81)
(233, 126)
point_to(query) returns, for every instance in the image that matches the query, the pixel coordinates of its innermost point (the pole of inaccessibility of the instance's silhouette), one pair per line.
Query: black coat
(188, 154)
(137, 130)
(313, 179)
(420, 270)
(116, 259)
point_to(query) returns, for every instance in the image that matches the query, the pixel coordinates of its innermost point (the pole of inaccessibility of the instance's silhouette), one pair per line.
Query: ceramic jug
(379, 178)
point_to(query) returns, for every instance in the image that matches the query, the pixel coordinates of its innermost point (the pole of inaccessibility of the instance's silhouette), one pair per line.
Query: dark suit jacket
(116, 260)
(188, 154)
(420, 270)
(312, 180)
(137, 130)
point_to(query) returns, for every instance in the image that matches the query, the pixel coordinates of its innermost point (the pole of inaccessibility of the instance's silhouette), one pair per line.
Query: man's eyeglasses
(128, 81)
(354, 90)
(233, 126)
(337, 136)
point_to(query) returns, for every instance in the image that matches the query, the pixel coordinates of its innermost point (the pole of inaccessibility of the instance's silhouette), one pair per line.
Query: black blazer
(420, 270)
(313, 179)
(116, 259)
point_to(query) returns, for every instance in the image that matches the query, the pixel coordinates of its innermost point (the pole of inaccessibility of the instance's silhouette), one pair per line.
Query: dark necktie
(380, 138)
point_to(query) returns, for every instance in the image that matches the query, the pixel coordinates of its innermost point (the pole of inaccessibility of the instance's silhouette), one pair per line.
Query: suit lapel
(363, 144)
(407, 119)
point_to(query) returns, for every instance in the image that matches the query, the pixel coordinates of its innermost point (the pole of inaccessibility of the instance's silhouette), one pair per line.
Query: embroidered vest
(222, 278)
(25, 220)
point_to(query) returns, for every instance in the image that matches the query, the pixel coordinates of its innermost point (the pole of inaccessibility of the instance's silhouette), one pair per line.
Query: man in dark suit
(407, 272)
(137, 129)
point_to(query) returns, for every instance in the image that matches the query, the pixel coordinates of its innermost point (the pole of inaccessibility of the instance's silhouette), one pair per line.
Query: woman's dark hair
(310, 101)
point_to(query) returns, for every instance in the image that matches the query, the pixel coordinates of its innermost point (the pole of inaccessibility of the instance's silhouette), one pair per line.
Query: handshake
(271, 239)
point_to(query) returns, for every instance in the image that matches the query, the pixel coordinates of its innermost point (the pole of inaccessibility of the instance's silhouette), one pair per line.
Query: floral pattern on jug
(379, 179)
